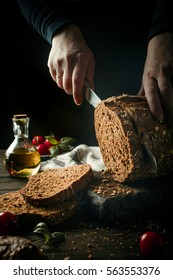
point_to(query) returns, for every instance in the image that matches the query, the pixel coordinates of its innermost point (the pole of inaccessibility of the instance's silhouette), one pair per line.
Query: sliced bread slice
(29, 215)
(56, 185)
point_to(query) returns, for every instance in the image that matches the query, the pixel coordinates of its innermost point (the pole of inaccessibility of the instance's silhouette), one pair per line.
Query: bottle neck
(21, 127)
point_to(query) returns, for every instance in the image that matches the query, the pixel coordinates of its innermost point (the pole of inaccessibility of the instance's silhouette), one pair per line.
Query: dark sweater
(48, 16)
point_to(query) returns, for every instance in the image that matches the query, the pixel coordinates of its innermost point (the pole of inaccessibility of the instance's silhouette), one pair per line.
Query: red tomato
(7, 223)
(47, 143)
(152, 244)
(43, 149)
(36, 140)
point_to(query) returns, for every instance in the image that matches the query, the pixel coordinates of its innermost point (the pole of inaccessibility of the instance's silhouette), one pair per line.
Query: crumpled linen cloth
(81, 154)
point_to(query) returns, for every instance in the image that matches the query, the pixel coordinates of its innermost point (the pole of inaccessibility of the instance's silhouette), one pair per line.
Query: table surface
(88, 238)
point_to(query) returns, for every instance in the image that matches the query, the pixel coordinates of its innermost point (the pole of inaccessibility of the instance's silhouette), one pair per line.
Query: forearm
(162, 19)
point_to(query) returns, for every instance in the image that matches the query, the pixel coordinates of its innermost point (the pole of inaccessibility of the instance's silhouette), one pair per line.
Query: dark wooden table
(88, 238)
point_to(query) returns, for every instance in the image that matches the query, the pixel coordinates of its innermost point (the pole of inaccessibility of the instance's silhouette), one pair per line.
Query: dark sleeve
(47, 16)
(162, 19)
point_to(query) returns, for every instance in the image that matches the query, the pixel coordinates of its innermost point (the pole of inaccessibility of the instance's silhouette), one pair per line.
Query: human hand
(71, 62)
(157, 81)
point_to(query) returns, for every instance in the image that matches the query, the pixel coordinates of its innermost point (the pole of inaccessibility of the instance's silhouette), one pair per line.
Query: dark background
(119, 45)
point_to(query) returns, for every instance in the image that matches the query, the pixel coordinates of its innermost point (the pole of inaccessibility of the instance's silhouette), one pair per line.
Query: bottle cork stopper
(19, 116)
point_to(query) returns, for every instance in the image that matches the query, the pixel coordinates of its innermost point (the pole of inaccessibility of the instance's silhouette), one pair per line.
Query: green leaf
(56, 238)
(45, 233)
(52, 140)
(41, 225)
(65, 147)
(54, 151)
(67, 140)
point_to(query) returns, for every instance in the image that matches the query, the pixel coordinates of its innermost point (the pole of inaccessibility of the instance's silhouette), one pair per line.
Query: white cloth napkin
(80, 154)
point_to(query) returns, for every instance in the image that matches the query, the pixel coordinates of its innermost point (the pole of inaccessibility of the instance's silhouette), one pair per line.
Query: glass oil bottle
(21, 159)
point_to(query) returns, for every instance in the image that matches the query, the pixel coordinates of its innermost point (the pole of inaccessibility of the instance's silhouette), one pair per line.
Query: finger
(52, 72)
(141, 91)
(59, 73)
(166, 93)
(56, 77)
(78, 78)
(82, 72)
(59, 78)
(67, 82)
(152, 96)
(59, 81)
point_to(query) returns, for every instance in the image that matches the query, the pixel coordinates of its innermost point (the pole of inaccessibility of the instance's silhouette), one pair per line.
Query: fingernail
(78, 101)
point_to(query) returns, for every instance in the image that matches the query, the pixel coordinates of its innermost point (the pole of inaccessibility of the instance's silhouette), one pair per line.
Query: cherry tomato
(43, 149)
(39, 139)
(7, 223)
(152, 244)
(47, 143)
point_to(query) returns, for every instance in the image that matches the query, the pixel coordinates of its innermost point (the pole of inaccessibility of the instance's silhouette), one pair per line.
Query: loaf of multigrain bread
(28, 215)
(56, 185)
(122, 125)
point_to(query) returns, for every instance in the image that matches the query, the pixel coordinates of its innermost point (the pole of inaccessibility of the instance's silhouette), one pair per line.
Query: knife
(90, 95)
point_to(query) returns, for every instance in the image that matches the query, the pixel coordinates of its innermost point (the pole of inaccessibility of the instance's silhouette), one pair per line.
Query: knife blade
(90, 95)
(149, 158)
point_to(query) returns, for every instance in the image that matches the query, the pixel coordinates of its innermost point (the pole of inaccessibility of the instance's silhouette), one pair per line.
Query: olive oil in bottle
(21, 159)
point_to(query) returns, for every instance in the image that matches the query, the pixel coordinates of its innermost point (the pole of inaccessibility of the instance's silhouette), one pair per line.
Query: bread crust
(122, 124)
(56, 185)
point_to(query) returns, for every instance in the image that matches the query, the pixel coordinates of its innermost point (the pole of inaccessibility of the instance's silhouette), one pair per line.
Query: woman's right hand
(71, 62)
